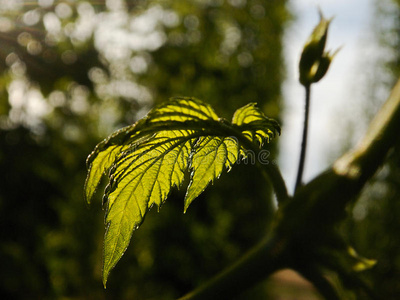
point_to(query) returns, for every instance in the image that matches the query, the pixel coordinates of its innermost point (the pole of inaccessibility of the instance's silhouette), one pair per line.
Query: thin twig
(304, 141)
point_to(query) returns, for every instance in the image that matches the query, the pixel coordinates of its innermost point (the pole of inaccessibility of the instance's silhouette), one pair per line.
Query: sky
(335, 93)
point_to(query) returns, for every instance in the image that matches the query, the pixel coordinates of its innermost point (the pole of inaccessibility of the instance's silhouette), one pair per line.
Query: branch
(315, 275)
(320, 204)
(258, 263)
(306, 221)
(383, 133)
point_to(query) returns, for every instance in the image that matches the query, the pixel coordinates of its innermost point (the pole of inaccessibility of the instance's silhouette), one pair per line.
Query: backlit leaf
(254, 125)
(146, 160)
(101, 159)
(211, 157)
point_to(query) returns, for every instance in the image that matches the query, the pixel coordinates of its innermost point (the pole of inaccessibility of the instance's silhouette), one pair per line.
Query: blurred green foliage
(74, 71)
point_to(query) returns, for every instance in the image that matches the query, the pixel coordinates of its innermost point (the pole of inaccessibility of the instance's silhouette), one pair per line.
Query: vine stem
(304, 141)
(294, 221)
(261, 261)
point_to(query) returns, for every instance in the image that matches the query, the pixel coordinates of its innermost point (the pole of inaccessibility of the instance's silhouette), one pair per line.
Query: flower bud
(314, 62)
(321, 67)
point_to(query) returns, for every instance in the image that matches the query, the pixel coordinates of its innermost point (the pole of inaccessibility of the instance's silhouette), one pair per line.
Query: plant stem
(304, 141)
(296, 223)
(383, 132)
(272, 174)
(315, 275)
(261, 261)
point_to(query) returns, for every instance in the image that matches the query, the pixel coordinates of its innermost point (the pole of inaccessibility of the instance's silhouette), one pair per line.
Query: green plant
(146, 160)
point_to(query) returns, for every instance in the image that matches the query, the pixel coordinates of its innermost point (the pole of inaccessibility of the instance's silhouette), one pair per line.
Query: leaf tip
(186, 206)
(106, 272)
(105, 277)
(87, 195)
(87, 200)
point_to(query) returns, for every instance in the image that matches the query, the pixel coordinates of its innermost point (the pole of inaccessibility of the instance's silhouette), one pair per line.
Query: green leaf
(142, 176)
(362, 263)
(146, 160)
(211, 157)
(101, 159)
(254, 125)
